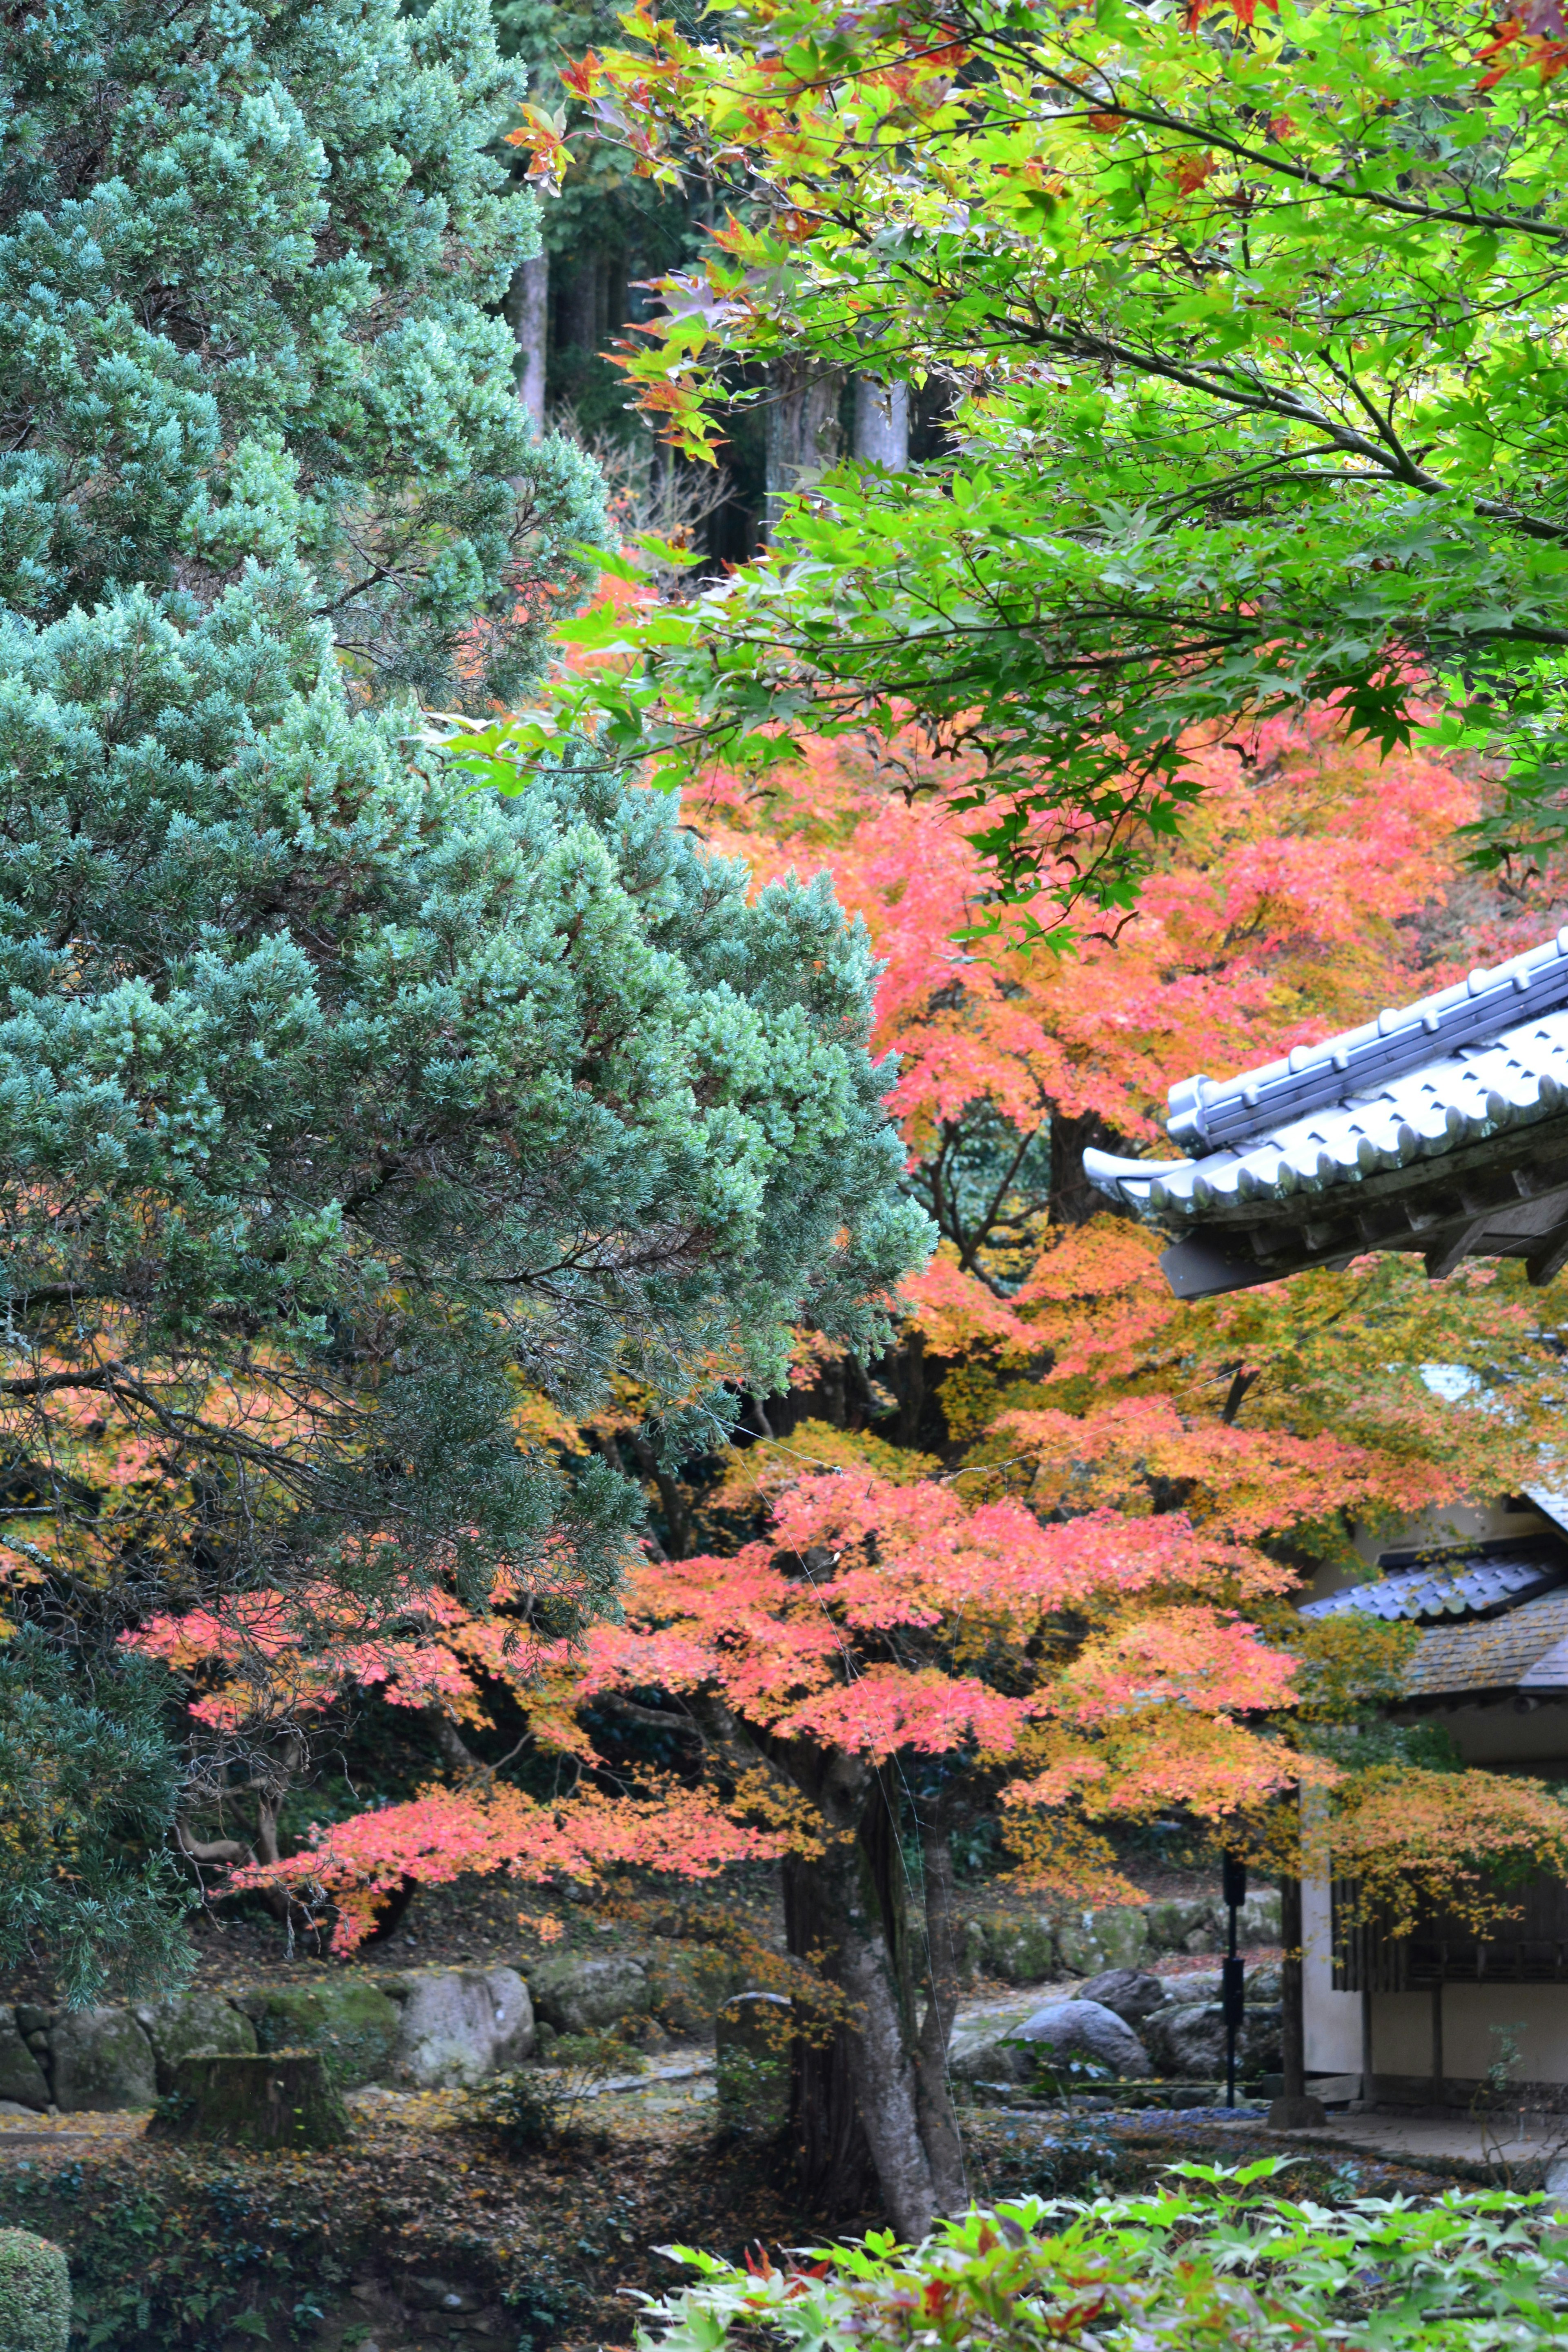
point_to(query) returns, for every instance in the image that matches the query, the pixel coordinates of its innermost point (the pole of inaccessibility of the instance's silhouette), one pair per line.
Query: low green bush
(1215, 2262)
(35, 2294)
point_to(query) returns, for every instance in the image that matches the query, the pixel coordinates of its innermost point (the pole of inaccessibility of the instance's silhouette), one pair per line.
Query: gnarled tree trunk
(870, 2103)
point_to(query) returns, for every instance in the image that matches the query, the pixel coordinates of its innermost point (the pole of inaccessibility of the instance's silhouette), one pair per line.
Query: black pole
(1232, 1979)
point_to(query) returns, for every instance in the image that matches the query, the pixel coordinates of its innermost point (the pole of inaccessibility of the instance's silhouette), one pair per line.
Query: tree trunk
(882, 423)
(939, 2123)
(1073, 1199)
(528, 315)
(858, 2097)
(801, 429)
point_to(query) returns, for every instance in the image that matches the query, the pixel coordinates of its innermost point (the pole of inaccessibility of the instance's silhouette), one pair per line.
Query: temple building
(1442, 1127)
(1419, 2022)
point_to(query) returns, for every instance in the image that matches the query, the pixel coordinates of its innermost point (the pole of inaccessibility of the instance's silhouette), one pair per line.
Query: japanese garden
(784, 1175)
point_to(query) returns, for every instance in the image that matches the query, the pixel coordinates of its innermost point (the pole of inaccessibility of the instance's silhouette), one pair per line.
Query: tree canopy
(1027, 1572)
(1250, 323)
(249, 260)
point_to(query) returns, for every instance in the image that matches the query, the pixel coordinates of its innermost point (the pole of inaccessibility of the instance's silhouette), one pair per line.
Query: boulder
(1263, 2038)
(978, 2051)
(193, 2024)
(1195, 1984)
(35, 2294)
(21, 2076)
(353, 2024)
(576, 1992)
(1187, 2039)
(1131, 1992)
(1065, 2030)
(1182, 1926)
(101, 2059)
(1258, 1921)
(1093, 1941)
(752, 2060)
(459, 2026)
(1018, 1948)
(281, 2098)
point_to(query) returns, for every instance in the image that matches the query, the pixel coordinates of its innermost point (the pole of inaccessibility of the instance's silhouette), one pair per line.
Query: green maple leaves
(1251, 342)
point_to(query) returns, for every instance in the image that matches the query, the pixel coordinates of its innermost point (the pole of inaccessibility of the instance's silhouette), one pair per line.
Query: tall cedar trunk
(855, 2105)
(528, 314)
(882, 423)
(803, 436)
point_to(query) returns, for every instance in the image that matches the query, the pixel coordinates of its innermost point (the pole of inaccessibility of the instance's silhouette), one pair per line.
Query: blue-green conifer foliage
(344, 1107)
(249, 260)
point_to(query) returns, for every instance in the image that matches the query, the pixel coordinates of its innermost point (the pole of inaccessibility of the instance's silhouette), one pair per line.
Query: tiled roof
(1441, 1127)
(1452, 1588)
(1409, 1037)
(1525, 1649)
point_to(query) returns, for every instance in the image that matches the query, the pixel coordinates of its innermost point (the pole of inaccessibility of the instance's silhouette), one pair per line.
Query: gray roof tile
(1293, 1144)
(1525, 1649)
(1465, 1588)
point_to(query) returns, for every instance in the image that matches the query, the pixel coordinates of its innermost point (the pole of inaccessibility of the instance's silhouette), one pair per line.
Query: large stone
(1093, 1941)
(283, 2099)
(353, 2024)
(752, 2060)
(1187, 2039)
(1182, 1926)
(576, 1992)
(101, 2059)
(1193, 1984)
(1121, 1931)
(1018, 1948)
(979, 2050)
(1132, 1993)
(1258, 1920)
(35, 2294)
(21, 2076)
(1064, 2031)
(193, 2024)
(459, 2026)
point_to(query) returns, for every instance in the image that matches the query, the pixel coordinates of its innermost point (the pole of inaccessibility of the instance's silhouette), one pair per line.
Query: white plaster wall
(1538, 2013)
(1333, 2019)
(1467, 1522)
(1401, 2031)
(1402, 2034)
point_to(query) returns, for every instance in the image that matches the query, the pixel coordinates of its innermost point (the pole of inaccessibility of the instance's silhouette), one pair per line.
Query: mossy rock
(285, 2099)
(194, 2025)
(35, 2294)
(1020, 1949)
(354, 2025)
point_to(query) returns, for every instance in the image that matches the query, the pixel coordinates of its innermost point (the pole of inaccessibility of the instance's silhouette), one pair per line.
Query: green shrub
(35, 2294)
(530, 2110)
(520, 2111)
(1215, 2260)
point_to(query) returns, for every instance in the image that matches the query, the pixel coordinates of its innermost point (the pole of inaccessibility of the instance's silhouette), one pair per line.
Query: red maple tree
(1035, 1561)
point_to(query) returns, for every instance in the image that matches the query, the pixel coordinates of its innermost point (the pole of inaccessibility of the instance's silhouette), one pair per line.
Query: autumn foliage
(1071, 1585)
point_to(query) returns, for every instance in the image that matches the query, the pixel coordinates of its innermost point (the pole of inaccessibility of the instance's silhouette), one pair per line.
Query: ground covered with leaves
(423, 2232)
